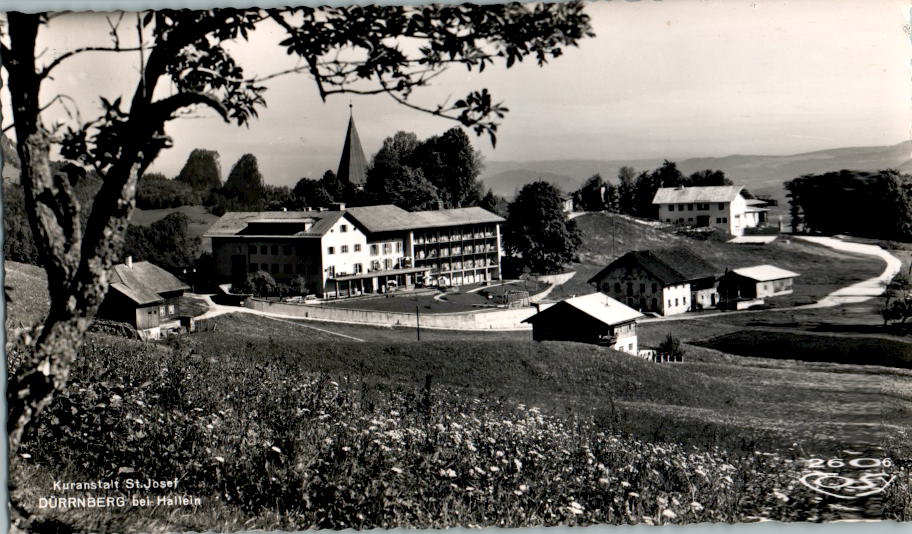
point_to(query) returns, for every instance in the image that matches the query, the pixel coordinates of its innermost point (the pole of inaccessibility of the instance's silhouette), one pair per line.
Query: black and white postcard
(457, 265)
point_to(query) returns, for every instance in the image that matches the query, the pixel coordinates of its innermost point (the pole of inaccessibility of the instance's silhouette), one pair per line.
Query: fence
(659, 357)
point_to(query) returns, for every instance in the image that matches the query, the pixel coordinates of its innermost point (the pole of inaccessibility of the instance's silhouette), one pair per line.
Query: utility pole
(417, 323)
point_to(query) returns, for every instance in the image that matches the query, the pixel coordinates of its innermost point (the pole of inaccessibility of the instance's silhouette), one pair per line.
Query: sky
(661, 79)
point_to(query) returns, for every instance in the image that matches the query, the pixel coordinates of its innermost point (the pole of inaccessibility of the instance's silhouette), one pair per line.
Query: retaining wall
(506, 319)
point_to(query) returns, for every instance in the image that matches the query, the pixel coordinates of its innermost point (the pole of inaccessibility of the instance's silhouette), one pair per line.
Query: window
(690, 219)
(725, 219)
(703, 207)
(275, 268)
(669, 303)
(388, 263)
(288, 268)
(343, 228)
(253, 249)
(676, 301)
(671, 207)
(655, 287)
(253, 267)
(617, 287)
(331, 250)
(171, 309)
(357, 247)
(630, 347)
(300, 268)
(358, 268)
(685, 301)
(161, 311)
(721, 205)
(387, 248)
(375, 250)
(642, 288)
(274, 249)
(718, 220)
(667, 220)
(690, 207)
(344, 249)
(286, 249)
(398, 246)
(629, 288)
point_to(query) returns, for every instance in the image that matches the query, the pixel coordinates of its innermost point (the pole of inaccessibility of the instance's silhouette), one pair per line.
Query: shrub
(672, 348)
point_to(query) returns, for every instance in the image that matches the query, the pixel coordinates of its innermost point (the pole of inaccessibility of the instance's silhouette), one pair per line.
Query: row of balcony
(446, 239)
(444, 253)
(460, 265)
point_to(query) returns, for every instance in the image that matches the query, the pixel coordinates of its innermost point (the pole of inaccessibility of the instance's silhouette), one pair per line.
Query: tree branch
(166, 107)
(63, 57)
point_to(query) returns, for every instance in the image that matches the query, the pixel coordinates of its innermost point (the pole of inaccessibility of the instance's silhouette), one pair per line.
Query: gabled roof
(144, 282)
(596, 305)
(236, 222)
(390, 218)
(765, 273)
(352, 164)
(674, 265)
(690, 195)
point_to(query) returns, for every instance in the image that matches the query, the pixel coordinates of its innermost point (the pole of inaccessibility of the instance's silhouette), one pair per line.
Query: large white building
(716, 206)
(360, 250)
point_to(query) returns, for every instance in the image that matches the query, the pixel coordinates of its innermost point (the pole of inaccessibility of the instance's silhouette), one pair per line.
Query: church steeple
(353, 164)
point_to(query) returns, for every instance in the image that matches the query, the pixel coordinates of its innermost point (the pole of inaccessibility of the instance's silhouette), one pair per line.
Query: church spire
(353, 164)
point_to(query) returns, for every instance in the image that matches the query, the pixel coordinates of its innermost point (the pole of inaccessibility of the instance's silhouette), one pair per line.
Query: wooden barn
(750, 285)
(145, 296)
(595, 318)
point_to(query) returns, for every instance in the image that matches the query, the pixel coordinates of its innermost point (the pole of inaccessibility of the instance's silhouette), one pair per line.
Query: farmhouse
(714, 206)
(145, 296)
(742, 288)
(360, 250)
(595, 318)
(664, 281)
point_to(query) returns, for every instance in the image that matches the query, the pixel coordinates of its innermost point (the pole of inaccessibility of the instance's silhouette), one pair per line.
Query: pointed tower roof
(353, 164)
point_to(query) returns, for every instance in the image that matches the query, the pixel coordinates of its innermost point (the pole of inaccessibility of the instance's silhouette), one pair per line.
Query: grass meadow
(293, 428)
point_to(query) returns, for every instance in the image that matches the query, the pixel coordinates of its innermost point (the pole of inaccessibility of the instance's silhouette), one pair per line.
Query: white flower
(696, 507)
(396, 470)
(668, 514)
(781, 496)
(278, 450)
(219, 459)
(494, 468)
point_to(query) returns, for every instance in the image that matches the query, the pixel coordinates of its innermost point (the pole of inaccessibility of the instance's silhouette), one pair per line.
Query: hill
(759, 173)
(607, 236)
(200, 220)
(28, 294)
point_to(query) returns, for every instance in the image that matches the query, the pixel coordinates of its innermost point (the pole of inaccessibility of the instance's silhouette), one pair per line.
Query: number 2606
(858, 463)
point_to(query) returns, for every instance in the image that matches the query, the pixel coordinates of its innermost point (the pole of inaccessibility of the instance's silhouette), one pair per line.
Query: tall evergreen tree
(245, 183)
(202, 170)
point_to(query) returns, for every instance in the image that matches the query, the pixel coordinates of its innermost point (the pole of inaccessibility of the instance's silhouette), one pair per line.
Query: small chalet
(567, 203)
(664, 281)
(749, 286)
(717, 206)
(595, 318)
(145, 296)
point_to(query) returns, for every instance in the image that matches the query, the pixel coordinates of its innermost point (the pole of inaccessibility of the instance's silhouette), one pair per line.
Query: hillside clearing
(823, 270)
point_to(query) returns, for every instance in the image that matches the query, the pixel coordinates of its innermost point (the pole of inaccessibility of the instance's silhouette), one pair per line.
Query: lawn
(462, 299)
(608, 236)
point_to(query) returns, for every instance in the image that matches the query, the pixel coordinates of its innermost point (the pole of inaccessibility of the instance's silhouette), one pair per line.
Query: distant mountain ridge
(762, 174)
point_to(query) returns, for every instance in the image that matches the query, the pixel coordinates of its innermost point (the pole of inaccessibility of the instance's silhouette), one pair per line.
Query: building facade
(595, 318)
(144, 296)
(721, 207)
(361, 250)
(751, 285)
(662, 281)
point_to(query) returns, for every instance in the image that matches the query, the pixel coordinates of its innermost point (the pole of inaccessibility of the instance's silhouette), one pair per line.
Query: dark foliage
(312, 193)
(154, 191)
(165, 243)
(591, 195)
(202, 171)
(871, 204)
(538, 231)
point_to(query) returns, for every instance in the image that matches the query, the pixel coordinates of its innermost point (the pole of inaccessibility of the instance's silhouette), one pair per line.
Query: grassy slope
(200, 219)
(713, 398)
(608, 236)
(28, 294)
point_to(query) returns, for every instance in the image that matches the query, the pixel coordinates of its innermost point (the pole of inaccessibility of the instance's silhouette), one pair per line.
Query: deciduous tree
(537, 230)
(185, 51)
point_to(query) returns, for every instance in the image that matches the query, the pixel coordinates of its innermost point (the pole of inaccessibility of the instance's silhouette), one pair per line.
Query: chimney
(680, 187)
(284, 209)
(338, 206)
(129, 262)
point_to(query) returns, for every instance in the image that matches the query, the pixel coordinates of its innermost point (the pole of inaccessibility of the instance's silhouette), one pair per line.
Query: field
(275, 432)
(822, 270)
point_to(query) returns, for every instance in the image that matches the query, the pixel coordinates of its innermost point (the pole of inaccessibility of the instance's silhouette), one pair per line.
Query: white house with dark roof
(715, 206)
(360, 250)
